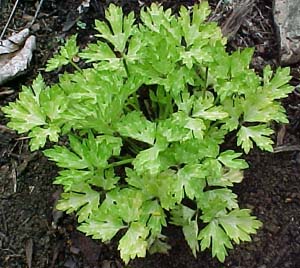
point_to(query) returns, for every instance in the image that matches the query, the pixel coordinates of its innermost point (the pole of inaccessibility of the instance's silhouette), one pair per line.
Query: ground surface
(33, 234)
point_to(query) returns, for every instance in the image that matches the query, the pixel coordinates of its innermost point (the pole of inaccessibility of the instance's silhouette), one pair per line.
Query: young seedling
(146, 123)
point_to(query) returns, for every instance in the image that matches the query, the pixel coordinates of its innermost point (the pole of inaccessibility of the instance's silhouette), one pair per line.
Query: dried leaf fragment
(15, 55)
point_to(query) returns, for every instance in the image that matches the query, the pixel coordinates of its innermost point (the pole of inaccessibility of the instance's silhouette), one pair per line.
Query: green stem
(165, 109)
(75, 66)
(120, 163)
(206, 77)
(134, 148)
(217, 99)
(126, 67)
(134, 104)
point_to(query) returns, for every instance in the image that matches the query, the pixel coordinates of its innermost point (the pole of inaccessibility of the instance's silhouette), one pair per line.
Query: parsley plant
(145, 123)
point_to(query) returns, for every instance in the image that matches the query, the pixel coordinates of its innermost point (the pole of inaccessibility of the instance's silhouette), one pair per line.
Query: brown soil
(33, 234)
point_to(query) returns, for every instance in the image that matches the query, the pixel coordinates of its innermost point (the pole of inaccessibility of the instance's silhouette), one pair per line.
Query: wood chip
(29, 252)
(236, 18)
(280, 135)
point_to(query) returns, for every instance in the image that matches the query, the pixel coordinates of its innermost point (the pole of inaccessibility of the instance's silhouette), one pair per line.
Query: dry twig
(236, 18)
(9, 19)
(286, 148)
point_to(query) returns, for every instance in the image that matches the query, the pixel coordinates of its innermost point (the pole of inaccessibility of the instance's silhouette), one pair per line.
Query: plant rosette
(146, 120)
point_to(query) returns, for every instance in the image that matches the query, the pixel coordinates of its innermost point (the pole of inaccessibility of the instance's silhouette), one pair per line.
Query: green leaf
(157, 20)
(234, 109)
(90, 152)
(26, 113)
(154, 217)
(133, 243)
(69, 177)
(228, 178)
(238, 225)
(53, 103)
(259, 134)
(39, 136)
(192, 178)
(191, 28)
(65, 158)
(197, 126)
(120, 27)
(182, 215)
(98, 52)
(134, 125)
(228, 158)
(204, 108)
(212, 168)
(213, 235)
(212, 114)
(165, 186)
(194, 150)
(240, 61)
(38, 110)
(159, 246)
(266, 109)
(104, 230)
(214, 203)
(190, 232)
(147, 161)
(174, 128)
(277, 87)
(105, 179)
(125, 204)
(65, 55)
(185, 102)
(84, 200)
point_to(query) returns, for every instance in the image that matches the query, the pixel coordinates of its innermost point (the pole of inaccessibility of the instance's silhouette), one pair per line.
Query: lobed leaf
(65, 55)
(229, 159)
(84, 200)
(190, 232)
(134, 125)
(260, 134)
(104, 230)
(120, 27)
(212, 235)
(133, 243)
(26, 112)
(238, 225)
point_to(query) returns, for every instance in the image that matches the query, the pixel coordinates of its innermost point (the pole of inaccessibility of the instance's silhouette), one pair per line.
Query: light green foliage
(134, 242)
(134, 125)
(145, 124)
(84, 200)
(236, 225)
(65, 55)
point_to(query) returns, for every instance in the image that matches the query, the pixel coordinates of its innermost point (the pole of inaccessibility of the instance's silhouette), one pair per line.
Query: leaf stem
(134, 148)
(205, 87)
(126, 67)
(120, 163)
(75, 66)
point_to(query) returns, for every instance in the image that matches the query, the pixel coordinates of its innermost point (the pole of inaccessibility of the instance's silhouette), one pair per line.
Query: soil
(33, 234)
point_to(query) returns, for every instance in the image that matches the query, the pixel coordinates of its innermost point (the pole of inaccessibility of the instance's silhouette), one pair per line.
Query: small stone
(76, 59)
(74, 250)
(35, 27)
(287, 21)
(70, 263)
(288, 200)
